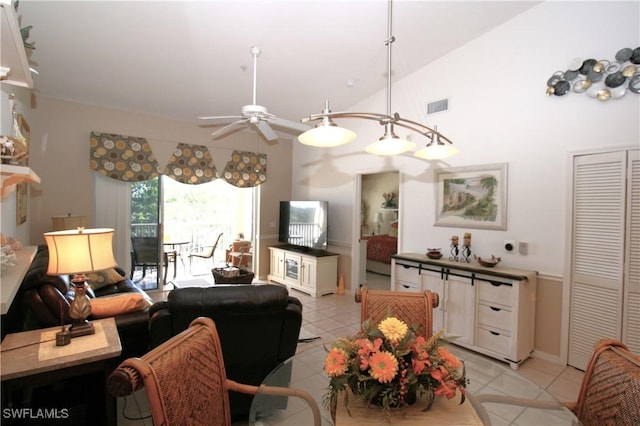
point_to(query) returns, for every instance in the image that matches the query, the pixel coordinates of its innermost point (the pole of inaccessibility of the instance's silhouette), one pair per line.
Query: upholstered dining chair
(205, 252)
(609, 393)
(416, 309)
(186, 382)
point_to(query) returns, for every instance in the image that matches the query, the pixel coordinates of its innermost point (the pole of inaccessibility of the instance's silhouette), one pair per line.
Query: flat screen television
(303, 224)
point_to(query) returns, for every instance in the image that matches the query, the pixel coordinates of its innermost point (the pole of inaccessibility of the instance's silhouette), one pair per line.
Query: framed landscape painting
(472, 197)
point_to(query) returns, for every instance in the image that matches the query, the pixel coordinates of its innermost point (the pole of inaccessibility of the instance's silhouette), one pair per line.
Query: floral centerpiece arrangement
(390, 366)
(390, 201)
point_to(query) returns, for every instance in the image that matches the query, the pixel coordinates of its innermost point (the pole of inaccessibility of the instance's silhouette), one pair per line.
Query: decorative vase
(429, 397)
(409, 399)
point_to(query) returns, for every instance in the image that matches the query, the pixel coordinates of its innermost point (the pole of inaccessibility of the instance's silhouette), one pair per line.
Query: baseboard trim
(548, 357)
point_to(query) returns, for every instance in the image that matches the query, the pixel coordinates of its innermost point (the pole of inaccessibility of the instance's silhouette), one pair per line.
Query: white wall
(499, 113)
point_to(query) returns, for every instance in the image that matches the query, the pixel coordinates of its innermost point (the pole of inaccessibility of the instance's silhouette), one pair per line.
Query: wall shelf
(13, 175)
(12, 277)
(14, 68)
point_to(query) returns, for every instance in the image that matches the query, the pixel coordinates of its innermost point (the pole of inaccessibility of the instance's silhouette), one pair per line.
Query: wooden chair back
(415, 309)
(186, 382)
(610, 390)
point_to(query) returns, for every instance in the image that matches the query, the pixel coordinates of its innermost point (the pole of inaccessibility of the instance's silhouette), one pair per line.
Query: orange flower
(366, 348)
(336, 362)
(384, 366)
(450, 360)
(447, 385)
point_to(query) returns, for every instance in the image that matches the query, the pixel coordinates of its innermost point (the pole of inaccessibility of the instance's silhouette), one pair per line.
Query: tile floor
(332, 316)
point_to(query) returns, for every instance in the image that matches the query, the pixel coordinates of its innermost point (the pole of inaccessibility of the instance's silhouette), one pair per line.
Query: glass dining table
(488, 380)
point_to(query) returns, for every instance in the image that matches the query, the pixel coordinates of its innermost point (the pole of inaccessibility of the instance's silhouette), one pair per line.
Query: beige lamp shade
(79, 251)
(61, 223)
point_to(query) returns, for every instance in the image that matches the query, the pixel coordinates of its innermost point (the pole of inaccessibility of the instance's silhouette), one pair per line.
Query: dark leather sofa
(259, 326)
(43, 295)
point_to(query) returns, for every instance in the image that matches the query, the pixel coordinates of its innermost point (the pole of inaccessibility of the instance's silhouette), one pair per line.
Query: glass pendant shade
(390, 143)
(326, 135)
(436, 152)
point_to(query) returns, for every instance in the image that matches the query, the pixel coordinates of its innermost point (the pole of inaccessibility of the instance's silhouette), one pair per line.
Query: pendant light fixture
(328, 134)
(436, 149)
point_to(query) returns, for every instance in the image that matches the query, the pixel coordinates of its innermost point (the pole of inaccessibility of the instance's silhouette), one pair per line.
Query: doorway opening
(378, 197)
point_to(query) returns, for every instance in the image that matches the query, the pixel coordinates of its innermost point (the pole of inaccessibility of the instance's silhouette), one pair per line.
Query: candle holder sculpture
(454, 249)
(466, 247)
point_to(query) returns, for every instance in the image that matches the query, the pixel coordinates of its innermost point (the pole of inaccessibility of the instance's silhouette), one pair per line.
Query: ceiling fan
(254, 115)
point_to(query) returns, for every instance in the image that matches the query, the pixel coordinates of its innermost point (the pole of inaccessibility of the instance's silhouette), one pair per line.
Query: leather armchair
(45, 296)
(259, 326)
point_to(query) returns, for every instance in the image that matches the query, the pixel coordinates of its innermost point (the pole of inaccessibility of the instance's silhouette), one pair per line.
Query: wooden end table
(31, 358)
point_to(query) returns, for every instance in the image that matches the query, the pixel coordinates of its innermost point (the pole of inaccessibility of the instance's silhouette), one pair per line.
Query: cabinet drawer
(407, 274)
(407, 286)
(494, 340)
(494, 316)
(495, 292)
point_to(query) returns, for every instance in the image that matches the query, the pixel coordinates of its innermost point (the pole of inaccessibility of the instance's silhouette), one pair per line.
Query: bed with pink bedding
(380, 248)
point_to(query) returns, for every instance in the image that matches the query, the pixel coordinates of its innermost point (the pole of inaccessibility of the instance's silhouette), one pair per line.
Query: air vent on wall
(437, 106)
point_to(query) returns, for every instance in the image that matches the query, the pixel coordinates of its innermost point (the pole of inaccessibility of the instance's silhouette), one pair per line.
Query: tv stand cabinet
(314, 272)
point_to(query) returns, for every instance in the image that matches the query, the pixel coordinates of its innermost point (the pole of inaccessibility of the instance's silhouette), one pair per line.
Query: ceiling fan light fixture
(390, 143)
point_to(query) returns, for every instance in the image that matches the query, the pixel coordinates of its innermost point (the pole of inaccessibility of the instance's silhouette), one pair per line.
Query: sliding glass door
(187, 219)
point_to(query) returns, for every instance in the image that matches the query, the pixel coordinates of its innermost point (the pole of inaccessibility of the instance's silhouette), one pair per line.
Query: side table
(31, 358)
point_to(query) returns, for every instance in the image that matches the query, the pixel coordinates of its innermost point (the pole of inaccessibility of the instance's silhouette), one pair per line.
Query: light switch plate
(523, 248)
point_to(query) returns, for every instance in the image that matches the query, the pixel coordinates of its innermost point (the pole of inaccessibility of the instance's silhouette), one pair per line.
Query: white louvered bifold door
(631, 307)
(598, 252)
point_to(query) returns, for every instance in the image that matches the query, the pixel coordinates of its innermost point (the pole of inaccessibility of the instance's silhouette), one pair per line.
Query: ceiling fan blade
(289, 124)
(222, 118)
(266, 131)
(228, 129)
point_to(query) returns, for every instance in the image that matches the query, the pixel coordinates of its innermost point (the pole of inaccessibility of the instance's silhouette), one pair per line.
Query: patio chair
(413, 308)
(144, 254)
(186, 381)
(205, 252)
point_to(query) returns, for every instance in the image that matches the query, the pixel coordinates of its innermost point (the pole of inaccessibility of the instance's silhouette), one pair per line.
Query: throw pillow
(393, 230)
(99, 279)
(110, 306)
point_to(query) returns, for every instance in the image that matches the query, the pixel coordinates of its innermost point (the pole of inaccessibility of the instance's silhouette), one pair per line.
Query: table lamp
(62, 223)
(377, 220)
(77, 252)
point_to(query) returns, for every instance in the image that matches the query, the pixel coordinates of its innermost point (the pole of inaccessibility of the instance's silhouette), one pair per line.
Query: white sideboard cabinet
(314, 272)
(488, 310)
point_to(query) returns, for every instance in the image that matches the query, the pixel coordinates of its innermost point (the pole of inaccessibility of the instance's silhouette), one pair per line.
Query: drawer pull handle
(494, 333)
(495, 284)
(495, 309)
(405, 286)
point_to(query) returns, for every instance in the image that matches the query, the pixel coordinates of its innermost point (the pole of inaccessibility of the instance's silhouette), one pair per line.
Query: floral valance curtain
(246, 169)
(130, 159)
(123, 158)
(191, 164)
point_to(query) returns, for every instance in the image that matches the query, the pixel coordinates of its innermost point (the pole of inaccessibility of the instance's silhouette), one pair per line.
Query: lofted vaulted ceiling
(185, 59)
